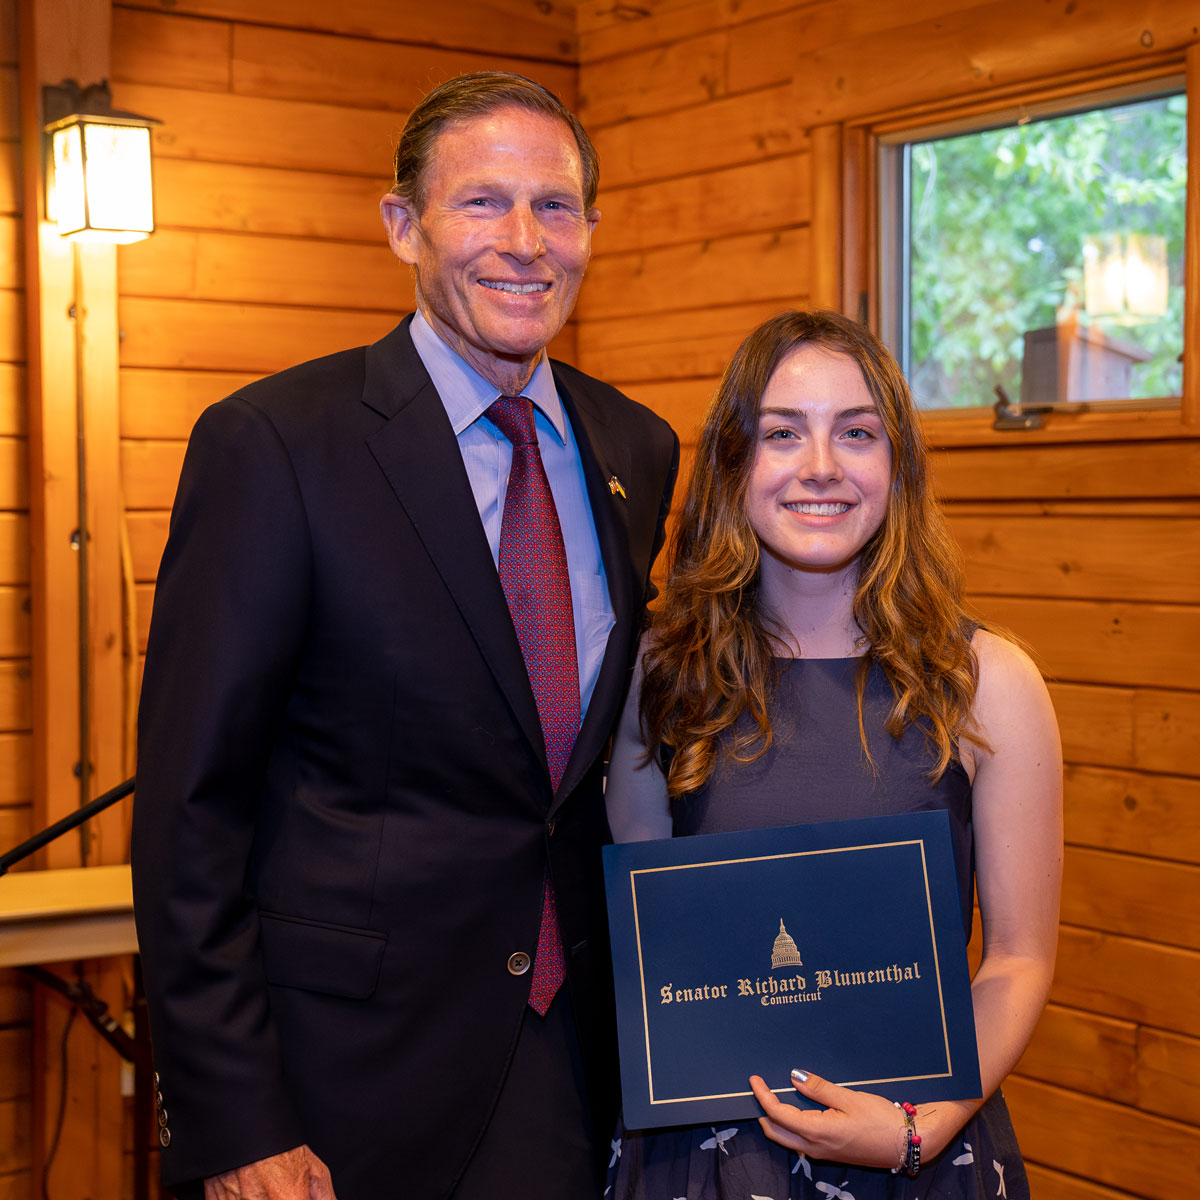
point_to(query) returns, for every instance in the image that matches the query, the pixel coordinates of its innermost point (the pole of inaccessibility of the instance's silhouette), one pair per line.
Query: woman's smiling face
(822, 473)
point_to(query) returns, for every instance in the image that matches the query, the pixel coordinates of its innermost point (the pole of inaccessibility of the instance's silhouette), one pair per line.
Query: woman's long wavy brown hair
(710, 657)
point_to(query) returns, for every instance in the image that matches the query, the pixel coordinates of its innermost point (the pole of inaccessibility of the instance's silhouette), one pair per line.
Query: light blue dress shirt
(487, 456)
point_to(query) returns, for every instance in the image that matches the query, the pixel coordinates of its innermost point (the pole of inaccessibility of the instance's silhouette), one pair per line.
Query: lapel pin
(614, 486)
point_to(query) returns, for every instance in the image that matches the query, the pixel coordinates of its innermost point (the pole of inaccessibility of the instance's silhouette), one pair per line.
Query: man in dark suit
(380, 681)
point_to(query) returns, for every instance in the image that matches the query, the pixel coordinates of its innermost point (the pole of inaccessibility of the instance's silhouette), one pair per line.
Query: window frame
(865, 243)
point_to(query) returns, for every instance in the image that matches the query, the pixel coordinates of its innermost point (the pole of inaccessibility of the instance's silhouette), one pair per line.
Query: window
(1041, 252)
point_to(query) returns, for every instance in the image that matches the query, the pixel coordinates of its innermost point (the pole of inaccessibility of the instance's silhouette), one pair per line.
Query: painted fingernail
(799, 1075)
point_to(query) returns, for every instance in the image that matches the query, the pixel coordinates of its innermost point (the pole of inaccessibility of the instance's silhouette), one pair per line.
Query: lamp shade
(1125, 276)
(99, 172)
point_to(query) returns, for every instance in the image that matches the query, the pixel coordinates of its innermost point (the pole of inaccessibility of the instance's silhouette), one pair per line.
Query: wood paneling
(682, 403)
(14, 548)
(14, 997)
(542, 28)
(165, 404)
(758, 196)
(1155, 815)
(13, 410)
(14, 473)
(1168, 1078)
(16, 766)
(259, 60)
(977, 48)
(667, 77)
(266, 270)
(222, 127)
(1150, 729)
(172, 50)
(1091, 470)
(728, 271)
(10, 177)
(238, 337)
(16, 778)
(695, 344)
(16, 699)
(362, 72)
(14, 1134)
(10, 109)
(147, 538)
(16, 1186)
(1159, 1159)
(14, 1063)
(150, 473)
(12, 264)
(1102, 641)
(8, 33)
(1109, 558)
(1082, 1051)
(1140, 897)
(1048, 1184)
(14, 622)
(1167, 730)
(737, 129)
(252, 199)
(607, 29)
(12, 326)
(1130, 978)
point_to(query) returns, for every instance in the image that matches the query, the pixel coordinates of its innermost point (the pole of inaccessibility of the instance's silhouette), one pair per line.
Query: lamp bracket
(68, 99)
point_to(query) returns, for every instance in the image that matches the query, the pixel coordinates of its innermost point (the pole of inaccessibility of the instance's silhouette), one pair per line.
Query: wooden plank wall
(279, 122)
(278, 126)
(15, 699)
(706, 114)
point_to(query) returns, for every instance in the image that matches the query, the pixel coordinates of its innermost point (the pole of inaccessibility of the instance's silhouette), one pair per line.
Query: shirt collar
(465, 393)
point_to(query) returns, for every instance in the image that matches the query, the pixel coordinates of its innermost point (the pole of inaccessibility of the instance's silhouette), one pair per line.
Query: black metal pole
(68, 822)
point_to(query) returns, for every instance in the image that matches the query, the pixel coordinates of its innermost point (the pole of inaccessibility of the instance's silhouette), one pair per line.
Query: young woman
(811, 659)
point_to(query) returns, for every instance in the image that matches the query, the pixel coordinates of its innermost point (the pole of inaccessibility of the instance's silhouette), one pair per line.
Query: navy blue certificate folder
(836, 947)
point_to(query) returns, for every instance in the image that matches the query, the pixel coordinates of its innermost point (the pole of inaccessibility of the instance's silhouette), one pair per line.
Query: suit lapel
(418, 453)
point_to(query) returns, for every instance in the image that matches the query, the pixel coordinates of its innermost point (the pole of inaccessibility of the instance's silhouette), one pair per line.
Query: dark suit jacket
(343, 814)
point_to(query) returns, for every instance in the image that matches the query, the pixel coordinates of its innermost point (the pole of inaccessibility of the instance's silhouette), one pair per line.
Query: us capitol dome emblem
(785, 953)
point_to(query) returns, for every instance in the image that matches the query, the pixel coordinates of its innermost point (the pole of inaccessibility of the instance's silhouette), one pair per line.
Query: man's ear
(399, 219)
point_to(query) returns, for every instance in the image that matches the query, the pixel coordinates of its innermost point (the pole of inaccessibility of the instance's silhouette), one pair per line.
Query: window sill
(1104, 422)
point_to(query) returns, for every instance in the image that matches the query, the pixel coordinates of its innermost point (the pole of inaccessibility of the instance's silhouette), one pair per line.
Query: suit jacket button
(162, 1118)
(518, 963)
(164, 1137)
(550, 826)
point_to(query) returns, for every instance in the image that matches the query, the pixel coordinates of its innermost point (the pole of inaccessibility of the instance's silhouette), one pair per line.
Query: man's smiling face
(503, 240)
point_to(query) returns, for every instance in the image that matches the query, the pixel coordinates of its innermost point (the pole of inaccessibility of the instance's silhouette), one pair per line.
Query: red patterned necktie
(533, 573)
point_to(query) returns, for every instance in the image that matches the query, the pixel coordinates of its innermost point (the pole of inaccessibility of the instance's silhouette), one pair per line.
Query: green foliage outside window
(998, 221)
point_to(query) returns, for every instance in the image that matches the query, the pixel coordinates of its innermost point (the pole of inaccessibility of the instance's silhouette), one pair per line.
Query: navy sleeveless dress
(816, 771)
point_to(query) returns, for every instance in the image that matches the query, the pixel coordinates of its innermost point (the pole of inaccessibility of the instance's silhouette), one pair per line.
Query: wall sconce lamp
(1125, 276)
(99, 182)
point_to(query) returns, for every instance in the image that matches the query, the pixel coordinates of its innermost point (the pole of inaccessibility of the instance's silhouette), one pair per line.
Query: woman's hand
(854, 1127)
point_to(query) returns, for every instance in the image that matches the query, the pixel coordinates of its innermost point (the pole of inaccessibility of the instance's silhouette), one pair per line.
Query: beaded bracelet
(910, 1153)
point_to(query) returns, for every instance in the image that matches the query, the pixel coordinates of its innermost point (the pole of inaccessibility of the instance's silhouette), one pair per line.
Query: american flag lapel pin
(614, 486)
